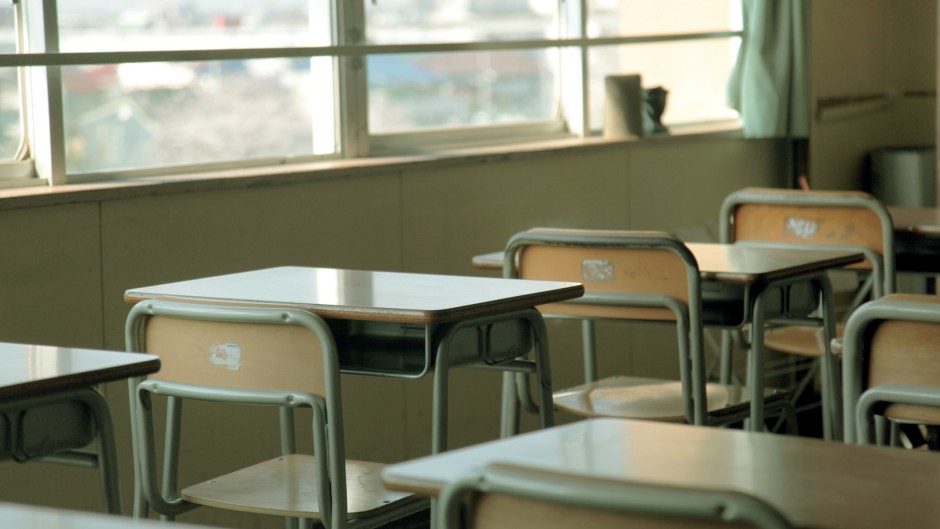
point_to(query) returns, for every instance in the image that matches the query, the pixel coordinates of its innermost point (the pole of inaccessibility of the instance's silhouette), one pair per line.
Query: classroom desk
(16, 516)
(49, 406)
(916, 239)
(814, 483)
(400, 324)
(751, 283)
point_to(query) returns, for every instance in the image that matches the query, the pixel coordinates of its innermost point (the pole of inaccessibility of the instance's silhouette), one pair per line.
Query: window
(101, 89)
(415, 91)
(132, 115)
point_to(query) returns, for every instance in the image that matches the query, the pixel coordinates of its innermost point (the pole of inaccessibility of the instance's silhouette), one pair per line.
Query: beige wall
(873, 67)
(67, 266)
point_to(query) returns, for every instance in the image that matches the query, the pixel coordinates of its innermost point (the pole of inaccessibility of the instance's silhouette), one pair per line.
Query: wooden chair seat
(800, 340)
(287, 485)
(652, 399)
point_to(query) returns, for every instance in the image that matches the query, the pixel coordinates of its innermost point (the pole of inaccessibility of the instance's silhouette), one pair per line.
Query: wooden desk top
(740, 263)
(814, 483)
(364, 295)
(922, 221)
(31, 517)
(28, 370)
(746, 263)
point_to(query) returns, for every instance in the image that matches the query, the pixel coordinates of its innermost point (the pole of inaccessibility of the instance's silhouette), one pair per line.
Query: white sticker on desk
(802, 228)
(227, 355)
(597, 271)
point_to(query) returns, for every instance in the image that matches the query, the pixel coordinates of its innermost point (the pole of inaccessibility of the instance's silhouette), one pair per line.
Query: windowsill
(38, 196)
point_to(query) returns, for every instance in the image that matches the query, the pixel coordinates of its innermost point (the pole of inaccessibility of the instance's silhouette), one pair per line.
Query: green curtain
(769, 85)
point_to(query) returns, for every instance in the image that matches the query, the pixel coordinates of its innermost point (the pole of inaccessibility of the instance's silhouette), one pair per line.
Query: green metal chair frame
(688, 316)
(645, 500)
(882, 279)
(327, 427)
(861, 404)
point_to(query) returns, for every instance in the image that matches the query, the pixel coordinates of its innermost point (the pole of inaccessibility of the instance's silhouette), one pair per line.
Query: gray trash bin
(905, 176)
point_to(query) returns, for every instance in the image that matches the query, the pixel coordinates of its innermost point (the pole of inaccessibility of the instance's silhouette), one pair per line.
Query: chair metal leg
(140, 509)
(727, 356)
(171, 451)
(588, 340)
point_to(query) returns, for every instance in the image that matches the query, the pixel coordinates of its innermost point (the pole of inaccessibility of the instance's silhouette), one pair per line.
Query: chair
(281, 358)
(502, 496)
(836, 219)
(892, 365)
(642, 276)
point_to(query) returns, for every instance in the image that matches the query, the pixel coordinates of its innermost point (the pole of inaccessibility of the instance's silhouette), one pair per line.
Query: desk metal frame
(494, 331)
(69, 394)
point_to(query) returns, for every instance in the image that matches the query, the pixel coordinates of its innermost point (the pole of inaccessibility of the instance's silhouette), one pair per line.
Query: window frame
(41, 65)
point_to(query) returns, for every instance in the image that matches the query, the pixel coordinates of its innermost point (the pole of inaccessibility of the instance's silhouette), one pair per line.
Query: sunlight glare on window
(132, 116)
(410, 92)
(445, 90)
(657, 17)
(140, 115)
(10, 101)
(694, 72)
(134, 25)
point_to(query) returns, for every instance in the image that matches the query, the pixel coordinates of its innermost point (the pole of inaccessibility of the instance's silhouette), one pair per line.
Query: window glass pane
(425, 21)
(651, 17)
(162, 114)
(104, 25)
(695, 73)
(10, 129)
(409, 92)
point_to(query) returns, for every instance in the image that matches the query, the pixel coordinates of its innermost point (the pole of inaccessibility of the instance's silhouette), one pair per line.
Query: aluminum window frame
(42, 61)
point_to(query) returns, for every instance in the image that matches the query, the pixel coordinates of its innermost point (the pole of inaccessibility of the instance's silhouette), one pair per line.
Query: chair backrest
(242, 355)
(620, 270)
(502, 496)
(627, 275)
(849, 219)
(889, 342)
(200, 349)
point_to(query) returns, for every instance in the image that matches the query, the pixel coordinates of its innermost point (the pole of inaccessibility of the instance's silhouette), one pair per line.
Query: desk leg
(832, 379)
(440, 402)
(543, 369)
(509, 416)
(93, 402)
(515, 369)
(831, 392)
(516, 393)
(755, 366)
(107, 451)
